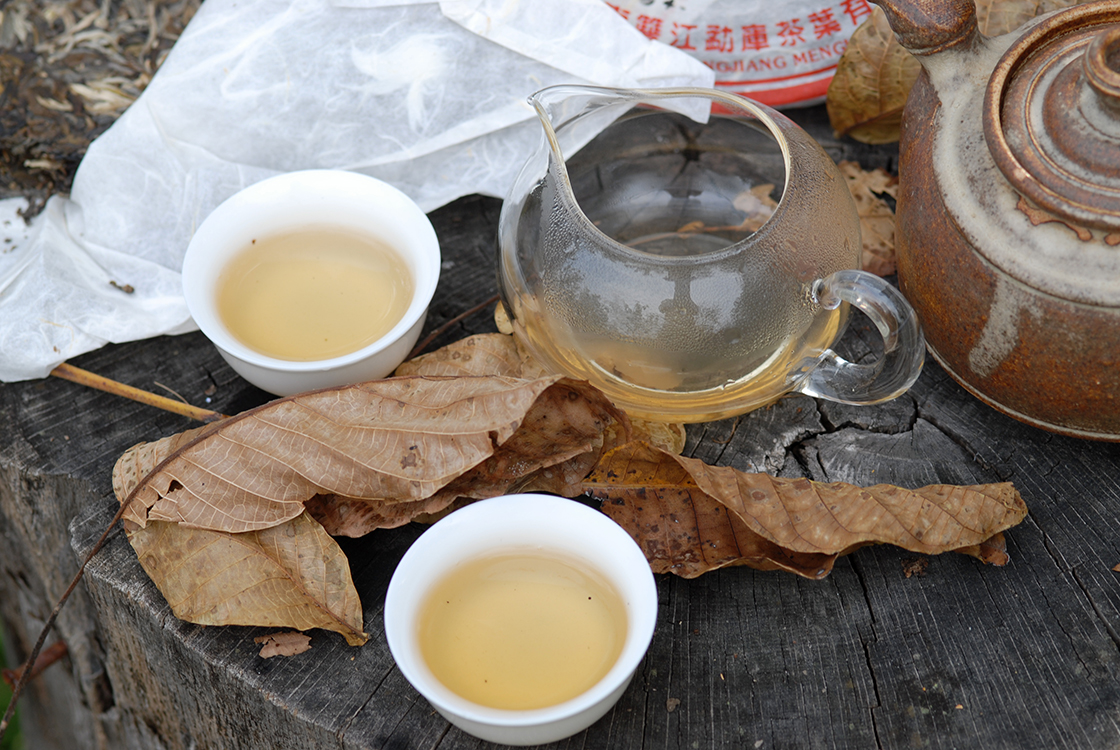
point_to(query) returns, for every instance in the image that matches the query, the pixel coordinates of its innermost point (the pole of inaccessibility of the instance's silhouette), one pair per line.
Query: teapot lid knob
(1102, 68)
(1052, 115)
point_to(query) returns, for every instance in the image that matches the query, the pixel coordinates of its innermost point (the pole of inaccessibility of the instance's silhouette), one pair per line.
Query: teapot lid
(1052, 115)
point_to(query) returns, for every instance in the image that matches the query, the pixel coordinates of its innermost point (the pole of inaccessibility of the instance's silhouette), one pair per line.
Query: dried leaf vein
(281, 573)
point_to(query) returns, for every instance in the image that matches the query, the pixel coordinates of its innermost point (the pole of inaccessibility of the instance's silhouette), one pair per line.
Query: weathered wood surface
(882, 653)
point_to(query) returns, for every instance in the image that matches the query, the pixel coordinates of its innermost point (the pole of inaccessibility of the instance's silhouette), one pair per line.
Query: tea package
(428, 96)
(782, 54)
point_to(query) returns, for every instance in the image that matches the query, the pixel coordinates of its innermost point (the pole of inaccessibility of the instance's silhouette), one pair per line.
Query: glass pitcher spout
(582, 112)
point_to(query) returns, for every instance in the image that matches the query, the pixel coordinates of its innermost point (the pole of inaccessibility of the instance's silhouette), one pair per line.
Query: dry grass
(68, 69)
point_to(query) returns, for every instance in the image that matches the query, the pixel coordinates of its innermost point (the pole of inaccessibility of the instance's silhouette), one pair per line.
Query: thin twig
(443, 328)
(26, 674)
(126, 502)
(84, 377)
(50, 655)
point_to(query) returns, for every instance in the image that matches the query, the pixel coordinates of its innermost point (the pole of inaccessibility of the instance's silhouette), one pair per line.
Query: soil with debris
(68, 69)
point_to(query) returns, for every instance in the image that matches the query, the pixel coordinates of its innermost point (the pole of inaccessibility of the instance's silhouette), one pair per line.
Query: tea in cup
(356, 289)
(692, 272)
(312, 279)
(521, 618)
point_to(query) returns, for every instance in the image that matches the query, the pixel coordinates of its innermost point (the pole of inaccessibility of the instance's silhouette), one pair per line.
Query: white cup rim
(558, 516)
(309, 186)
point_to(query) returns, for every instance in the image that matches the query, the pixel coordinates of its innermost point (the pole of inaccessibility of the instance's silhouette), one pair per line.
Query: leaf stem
(101, 383)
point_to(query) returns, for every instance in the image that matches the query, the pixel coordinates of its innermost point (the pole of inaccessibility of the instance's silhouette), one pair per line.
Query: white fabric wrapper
(430, 97)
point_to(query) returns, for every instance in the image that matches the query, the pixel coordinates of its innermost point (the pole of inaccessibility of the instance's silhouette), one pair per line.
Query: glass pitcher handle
(835, 378)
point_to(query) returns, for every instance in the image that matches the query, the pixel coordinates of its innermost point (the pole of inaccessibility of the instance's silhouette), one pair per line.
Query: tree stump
(890, 650)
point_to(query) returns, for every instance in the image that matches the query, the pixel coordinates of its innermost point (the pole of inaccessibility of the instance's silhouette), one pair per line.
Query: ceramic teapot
(1009, 208)
(692, 270)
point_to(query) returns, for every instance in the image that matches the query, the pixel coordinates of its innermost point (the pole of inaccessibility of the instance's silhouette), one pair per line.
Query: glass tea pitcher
(692, 271)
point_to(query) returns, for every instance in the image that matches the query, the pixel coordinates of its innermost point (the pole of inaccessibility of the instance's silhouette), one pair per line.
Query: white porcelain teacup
(334, 201)
(537, 525)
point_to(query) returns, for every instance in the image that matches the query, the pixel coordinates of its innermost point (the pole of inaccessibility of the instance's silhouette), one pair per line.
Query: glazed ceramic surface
(1009, 209)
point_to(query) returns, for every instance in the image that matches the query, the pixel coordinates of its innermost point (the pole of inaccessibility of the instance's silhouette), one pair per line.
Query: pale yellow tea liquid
(312, 294)
(668, 384)
(522, 630)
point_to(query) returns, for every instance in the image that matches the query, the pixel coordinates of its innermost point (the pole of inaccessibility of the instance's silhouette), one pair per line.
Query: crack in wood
(963, 443)
(1108, 628)
(443, 735)
(1070, 571)
(803, 456)
(345, 726)
(866, 642)
(875, 688)
(1049, 546)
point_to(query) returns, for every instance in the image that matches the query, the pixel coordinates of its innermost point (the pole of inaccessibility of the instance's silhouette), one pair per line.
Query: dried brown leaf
(354, 517)
(679, 528)
(690, 517)
(558, 442)
(873, 78)
(876, 218)
(992, 551)
(217, 514)
(502, 354)
(286, 643)
(874, 75)
(480, 355)
(292, 575)
(400, 439)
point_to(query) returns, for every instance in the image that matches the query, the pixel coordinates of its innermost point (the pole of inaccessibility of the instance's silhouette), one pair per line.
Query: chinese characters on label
(776, 53)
